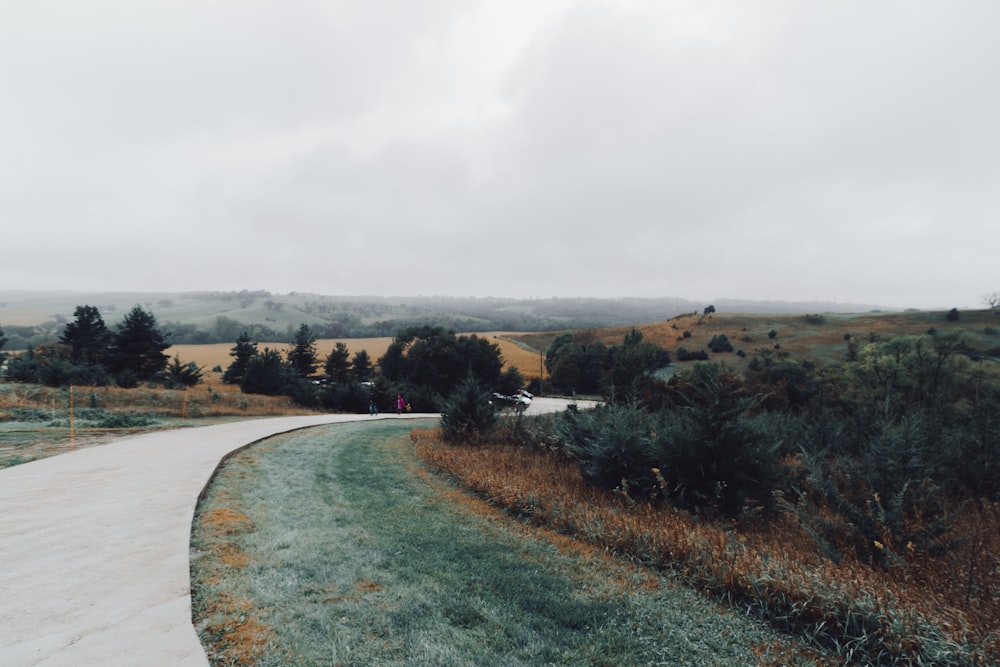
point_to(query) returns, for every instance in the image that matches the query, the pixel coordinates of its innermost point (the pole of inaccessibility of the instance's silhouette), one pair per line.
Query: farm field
(217, 354)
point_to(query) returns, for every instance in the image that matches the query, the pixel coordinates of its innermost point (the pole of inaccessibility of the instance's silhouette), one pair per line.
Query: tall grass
(907, 617)
(199, 401)
(35, 420)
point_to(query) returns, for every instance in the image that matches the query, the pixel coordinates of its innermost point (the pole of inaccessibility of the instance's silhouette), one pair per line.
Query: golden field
(217, 354)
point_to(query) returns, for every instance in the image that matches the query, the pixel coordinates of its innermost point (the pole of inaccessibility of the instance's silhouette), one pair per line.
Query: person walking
(400, 404)
(372, 407)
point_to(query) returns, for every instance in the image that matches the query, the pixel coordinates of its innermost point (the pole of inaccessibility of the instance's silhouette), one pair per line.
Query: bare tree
(993, 301)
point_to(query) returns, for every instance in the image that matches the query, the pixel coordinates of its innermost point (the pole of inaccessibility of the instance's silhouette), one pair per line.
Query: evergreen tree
(266, 374)
(467, 413)
(242, 353)
(87, 336)
(138, 347)
(361, 366)
(338, 363)
(302, 357)
(180, 375)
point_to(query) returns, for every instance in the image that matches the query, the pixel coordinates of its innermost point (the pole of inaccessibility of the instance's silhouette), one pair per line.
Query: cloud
(698, 149)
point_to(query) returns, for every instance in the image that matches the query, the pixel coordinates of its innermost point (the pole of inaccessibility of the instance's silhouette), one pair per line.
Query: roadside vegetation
(837, 476)
(331, 546)
(38, 421)
(856, 503)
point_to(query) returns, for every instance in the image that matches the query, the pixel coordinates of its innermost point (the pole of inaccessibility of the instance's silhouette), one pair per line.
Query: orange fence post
(72, 424)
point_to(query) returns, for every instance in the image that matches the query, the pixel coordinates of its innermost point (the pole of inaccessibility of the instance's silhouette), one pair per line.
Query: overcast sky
(845, 151)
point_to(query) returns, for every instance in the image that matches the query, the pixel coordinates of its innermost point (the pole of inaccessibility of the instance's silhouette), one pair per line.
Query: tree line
(424, 364)
(88, 352)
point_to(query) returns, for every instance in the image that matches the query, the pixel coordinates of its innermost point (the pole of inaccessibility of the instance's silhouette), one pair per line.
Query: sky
(782, 150)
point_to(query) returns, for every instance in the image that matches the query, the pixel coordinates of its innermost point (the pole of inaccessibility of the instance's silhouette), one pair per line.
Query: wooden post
(541, 374)
(72, 423)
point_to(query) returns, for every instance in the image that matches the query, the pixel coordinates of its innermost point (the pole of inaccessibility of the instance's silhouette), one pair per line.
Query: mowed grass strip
(332, 546)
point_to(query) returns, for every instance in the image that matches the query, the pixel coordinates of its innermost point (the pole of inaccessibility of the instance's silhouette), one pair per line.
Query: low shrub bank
(900, 616)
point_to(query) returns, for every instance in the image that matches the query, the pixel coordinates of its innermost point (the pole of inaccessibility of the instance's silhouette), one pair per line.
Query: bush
(347, 396)
(720, 343)
(127, 380)
(467, 414)
(89, 375)
(952, 315)
(29, 415)
(719, 457)
(124, 420)
(615, 446)
(683, 354)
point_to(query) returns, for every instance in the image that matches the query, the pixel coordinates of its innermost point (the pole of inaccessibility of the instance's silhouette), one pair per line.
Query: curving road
(94, 544)
(94, 553)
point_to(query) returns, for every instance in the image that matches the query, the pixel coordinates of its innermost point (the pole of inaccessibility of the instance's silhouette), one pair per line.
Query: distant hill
(29, 318)
(819, 337)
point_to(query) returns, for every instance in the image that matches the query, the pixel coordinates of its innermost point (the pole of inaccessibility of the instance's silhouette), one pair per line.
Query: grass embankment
(907, 616)
(333, 546)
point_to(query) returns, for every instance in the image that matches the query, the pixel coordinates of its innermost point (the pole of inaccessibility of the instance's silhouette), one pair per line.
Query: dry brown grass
(231, 620)
(771, 566)
(821, 342)
(207, 400)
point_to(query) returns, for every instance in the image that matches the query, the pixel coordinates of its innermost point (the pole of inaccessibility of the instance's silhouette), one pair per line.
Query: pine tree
(338, 363)
(361, 366)
(87, 336)
(242, 353)
(302, 357)
(138, 346)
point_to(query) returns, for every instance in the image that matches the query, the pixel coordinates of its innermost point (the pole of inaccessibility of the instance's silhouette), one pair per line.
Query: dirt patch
(244, 638)
(227, 521)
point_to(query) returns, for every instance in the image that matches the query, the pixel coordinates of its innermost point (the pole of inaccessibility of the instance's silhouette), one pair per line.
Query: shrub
(124, 420)
(615, 446)
(30, 415)
(89, 375)
(952, 315)
(346, 396)
(720, 343)
(467, 414)
(127, 380)
(683, 354)
(719, 458)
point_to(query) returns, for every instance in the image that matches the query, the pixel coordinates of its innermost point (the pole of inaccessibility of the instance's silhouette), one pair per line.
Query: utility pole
(541, 374)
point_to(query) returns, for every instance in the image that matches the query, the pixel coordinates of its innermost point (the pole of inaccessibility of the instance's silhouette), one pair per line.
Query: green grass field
(332, 546)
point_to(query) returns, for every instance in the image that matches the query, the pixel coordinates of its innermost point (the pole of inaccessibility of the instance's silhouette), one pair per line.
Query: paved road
(94, 545)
